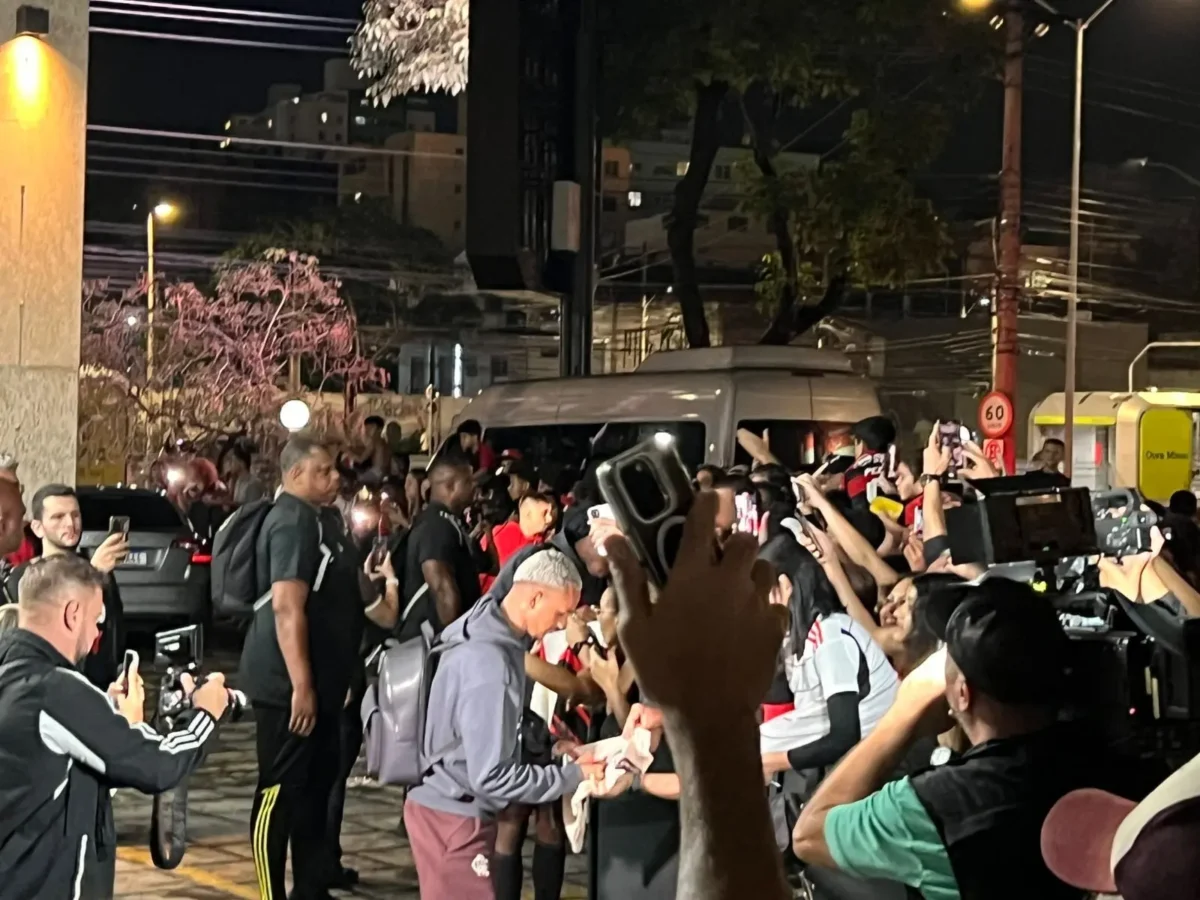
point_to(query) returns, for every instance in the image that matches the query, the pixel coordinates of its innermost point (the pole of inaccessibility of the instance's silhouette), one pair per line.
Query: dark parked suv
(167, 573)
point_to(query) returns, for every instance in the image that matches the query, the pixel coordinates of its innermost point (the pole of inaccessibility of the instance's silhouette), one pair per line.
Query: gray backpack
(395, 706)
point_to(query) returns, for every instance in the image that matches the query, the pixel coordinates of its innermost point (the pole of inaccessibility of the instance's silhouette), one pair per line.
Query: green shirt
(890, 835)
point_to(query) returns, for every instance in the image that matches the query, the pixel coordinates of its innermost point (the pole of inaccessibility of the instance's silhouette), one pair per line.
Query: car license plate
(137, 558)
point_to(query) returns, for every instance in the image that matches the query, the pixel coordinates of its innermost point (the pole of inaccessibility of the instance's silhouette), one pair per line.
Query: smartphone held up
(649, 492)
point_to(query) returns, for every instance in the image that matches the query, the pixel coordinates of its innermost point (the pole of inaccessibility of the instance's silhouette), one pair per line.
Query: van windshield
(572, 444)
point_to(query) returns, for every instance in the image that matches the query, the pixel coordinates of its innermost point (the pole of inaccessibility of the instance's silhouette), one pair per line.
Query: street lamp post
(1147, 163)
(164, 212)
(1081, 26)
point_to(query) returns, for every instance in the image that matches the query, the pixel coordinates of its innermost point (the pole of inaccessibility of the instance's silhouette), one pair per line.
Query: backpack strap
(408, 607)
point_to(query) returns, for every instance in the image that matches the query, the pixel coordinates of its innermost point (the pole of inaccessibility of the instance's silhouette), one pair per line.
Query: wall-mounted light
(33, 20)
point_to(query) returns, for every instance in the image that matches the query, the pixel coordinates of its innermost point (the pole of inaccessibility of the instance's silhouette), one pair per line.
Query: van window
(572, 444)
(796, 443)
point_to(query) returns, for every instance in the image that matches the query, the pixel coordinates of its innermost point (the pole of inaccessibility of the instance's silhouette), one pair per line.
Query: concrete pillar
(43, 118)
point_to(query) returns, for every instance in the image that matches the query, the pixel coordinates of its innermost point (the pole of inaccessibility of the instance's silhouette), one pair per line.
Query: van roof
(745, 357)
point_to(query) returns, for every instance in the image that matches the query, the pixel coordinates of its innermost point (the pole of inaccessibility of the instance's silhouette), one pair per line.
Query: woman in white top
(839, 679)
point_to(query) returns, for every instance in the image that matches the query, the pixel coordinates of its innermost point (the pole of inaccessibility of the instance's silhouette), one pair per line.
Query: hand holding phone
(649, 491)
(747, 514)
(118, 525)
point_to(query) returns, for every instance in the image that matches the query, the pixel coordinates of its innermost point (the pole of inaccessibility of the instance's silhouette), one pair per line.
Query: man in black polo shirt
(441, 578)
(297, 662)
(970, 828)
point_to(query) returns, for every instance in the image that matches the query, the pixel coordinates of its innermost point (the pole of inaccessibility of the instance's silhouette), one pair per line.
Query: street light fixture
(1145, 162)
(294, 415)
(1081, 26)
(165, 212)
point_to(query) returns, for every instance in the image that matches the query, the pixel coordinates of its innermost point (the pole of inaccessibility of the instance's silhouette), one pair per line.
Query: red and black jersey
(866, 469)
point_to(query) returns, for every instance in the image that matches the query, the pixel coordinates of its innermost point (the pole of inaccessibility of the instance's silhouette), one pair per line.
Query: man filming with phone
(64, 744)
(58, 523)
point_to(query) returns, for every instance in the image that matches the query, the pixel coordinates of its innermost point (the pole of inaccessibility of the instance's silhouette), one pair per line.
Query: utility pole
(1008, 294)
(575, 323)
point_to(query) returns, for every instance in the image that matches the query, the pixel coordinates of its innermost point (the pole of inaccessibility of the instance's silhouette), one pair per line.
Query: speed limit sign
(995, 415)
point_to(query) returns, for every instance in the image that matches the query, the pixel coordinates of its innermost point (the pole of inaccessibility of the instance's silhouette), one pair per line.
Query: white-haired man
(472, 743)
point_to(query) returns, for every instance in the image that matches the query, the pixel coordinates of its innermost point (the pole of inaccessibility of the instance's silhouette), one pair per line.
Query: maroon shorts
(453, 854)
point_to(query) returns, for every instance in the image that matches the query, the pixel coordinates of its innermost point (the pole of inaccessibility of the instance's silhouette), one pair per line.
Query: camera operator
(64, 744)
(969, 828)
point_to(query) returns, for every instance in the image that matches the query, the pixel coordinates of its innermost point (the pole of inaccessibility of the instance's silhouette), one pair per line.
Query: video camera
(1135, 667)
(179, 652)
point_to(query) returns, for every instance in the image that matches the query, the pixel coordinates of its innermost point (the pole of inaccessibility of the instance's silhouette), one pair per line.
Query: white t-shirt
(829, 665)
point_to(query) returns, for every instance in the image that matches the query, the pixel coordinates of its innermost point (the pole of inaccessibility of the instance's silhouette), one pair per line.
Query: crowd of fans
(829, 697)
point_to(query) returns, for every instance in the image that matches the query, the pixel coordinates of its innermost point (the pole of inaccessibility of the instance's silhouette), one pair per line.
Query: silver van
(801, 398)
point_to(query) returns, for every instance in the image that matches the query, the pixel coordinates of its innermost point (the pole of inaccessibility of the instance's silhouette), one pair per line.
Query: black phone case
(654, 540)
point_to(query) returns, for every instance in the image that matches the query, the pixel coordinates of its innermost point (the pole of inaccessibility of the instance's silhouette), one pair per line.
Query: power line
(219, 20)
(229, 42)
(183, 179)
(353, 150)
(256, 13)
(184, 164)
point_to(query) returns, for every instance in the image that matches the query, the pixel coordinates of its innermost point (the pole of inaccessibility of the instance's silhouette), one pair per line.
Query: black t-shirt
(298, 542)
(437, 535)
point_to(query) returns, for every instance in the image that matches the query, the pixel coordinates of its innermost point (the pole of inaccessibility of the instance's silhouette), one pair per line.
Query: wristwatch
(636, 784)
(927, 479)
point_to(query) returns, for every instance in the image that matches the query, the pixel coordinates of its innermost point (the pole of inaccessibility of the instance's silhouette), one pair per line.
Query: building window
(723, 172)
(612, 168)
(320, 135)
(681, 168)
(458, 189)
(499, 367)
(636, 167)
(360, 120)
(324, 117)
(457, 225)
(608, 203)
(458, 151)
(337, 138)
(738, 223)
(635, 199)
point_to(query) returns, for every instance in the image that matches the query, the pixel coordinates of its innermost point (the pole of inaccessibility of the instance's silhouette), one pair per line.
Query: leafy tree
(666, 61)
(221, 358)
(908, 66)
(378, 260)
(403, 46)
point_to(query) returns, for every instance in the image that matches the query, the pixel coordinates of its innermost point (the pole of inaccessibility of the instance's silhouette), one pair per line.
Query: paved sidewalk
(218, 864)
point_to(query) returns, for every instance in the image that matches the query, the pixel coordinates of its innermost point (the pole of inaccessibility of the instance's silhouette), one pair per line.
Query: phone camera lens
(641, 485)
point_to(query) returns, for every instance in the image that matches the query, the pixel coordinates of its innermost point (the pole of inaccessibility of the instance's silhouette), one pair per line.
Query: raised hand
(708, 647)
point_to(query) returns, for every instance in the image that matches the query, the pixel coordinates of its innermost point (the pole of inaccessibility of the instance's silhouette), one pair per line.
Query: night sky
(1141, 55)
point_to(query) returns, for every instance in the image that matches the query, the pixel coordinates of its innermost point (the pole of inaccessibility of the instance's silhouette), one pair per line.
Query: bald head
(451, 482)
(12, 517)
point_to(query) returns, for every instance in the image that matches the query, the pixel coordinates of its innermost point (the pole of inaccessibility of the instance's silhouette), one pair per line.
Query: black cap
(576, 525)
(1008, 643)
(877, 432)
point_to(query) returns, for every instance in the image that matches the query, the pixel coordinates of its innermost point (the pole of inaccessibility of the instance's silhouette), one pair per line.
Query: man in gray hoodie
(472, 734)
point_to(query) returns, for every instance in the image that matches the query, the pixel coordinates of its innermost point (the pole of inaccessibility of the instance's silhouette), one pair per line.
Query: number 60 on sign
(995, 415)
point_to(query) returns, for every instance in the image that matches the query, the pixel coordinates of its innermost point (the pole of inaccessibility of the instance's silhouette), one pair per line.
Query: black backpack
(234, 569)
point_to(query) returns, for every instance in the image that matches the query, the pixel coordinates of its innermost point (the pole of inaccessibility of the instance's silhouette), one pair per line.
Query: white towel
(622, 756)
